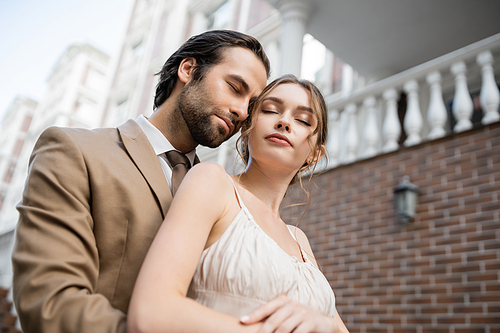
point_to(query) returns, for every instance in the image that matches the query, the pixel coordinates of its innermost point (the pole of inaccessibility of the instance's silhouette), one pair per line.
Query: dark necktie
(180, 166)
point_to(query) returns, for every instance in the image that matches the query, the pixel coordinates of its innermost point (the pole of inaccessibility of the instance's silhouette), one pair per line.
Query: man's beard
(197, 110)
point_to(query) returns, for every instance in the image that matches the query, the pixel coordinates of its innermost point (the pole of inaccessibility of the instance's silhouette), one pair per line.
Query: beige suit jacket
(92, 204)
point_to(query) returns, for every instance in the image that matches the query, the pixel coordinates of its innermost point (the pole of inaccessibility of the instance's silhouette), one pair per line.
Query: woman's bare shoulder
(208, 177)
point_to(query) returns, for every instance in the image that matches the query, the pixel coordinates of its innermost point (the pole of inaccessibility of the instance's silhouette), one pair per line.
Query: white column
(243, 18)
(370, 134)
(489, 96)
(200, 23)
(462, 103)
(176, 26)
(332, 145)
(351, 143)
(413, 119)
(436, 114)
(294, 14)
(392, 126)
(145, 62)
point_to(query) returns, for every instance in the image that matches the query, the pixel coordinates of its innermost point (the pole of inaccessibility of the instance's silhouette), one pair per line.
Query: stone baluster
(436, 114)
(332, 145)
(462, 102)
(489, 96)
(370, 133)
(352, 133)
(392, 126)
(413, 118)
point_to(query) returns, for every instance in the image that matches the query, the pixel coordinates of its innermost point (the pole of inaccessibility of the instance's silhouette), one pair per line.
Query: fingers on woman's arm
(285, 315)
(265, 310)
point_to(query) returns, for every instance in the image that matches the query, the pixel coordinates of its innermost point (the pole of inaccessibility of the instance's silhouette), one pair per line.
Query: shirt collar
(158, 140)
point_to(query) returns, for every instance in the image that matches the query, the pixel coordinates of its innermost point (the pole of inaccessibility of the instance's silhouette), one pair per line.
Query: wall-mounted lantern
(406, 199)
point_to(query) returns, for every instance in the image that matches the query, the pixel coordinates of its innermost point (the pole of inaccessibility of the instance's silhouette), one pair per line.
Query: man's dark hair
(207, 48)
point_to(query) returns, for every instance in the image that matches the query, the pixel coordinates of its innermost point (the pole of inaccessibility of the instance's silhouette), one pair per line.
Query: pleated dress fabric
(246, 268)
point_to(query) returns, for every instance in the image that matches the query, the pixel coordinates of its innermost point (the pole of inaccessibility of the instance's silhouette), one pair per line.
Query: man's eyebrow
(241, 81)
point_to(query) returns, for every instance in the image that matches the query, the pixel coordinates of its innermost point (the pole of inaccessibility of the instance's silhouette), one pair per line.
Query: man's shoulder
(102, 135)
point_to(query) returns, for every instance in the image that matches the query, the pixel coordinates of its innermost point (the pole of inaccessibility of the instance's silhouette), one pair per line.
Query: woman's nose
(283, 124)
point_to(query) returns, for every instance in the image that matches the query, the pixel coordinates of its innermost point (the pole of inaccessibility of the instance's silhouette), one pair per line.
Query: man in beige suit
(94, 199)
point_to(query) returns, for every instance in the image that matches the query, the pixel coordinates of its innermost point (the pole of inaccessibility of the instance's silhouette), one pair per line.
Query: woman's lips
(279, 139)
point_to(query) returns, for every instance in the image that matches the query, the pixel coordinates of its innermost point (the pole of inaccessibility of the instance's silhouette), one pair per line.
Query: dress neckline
(243, 207)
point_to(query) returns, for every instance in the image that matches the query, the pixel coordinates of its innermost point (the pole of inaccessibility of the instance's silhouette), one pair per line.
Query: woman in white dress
(224, 260)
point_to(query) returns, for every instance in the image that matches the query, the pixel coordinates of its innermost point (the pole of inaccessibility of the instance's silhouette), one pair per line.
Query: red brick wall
(440, 273)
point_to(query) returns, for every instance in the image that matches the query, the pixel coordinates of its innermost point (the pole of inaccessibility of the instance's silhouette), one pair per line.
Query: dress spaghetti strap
(238, 197)
(302, 252)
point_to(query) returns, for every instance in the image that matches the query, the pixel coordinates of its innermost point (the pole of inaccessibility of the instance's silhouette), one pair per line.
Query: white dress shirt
(161, 145)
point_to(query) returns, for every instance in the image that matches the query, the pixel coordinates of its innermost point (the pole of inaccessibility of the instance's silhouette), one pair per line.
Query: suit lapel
(140, 150)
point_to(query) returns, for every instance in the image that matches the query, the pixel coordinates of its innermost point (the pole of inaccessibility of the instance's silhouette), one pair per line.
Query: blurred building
(15, 125)
(75, 89)
(412, 90)
(158, 27)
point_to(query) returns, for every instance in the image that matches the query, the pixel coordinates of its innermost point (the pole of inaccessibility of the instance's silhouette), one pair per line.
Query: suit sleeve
(55, 259)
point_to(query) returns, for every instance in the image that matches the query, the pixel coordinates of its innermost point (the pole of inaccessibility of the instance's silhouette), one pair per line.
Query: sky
(35, 33)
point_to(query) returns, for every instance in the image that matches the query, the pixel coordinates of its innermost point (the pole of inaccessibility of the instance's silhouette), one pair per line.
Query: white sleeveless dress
(246, 268)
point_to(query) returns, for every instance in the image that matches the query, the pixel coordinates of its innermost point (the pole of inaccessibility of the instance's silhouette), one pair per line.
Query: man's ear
(185, 71)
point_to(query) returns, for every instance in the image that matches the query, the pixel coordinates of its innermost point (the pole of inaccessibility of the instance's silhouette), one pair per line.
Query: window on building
(259, 11)
(338, 65)
(121, 111)
(26, 123)
(221, 18)
(18, 147)
(10, 171)
(137, 51)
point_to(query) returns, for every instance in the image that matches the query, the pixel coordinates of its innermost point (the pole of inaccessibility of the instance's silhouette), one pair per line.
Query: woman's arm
(159, 302)
(287, 315)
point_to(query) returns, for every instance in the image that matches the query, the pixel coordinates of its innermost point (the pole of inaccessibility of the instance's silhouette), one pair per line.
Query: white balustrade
(489, 96)
(392, 126)
(448, 77)
(436, 114)
(462, 102)
(371, 135)
(413, 120)
(332, 145)
(351, 143)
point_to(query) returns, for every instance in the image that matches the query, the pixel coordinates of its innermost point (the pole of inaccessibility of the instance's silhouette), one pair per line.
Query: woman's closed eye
(269, 111)
(303, 122)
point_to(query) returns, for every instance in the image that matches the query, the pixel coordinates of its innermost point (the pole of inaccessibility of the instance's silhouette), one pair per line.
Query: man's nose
(240, 110)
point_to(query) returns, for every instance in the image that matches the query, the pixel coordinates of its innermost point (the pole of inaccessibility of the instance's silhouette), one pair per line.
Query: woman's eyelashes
(269, 111)
(300, 120)
(304, 122)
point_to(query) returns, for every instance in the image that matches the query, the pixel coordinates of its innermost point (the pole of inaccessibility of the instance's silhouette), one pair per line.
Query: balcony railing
(374, 119)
